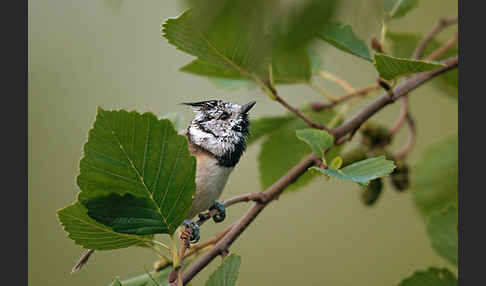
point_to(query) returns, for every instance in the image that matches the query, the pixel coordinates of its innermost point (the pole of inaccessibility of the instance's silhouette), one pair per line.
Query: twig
(444, 48)
(256, 197)
(341, 82)
(82, 260)
(400, 90)
(401, 117)
(318, 106)
(443, 23)
(298, 113)
(323, 92)
(197, 247)
(400, 155)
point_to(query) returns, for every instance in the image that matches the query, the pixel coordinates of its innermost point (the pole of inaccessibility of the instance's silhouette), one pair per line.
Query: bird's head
(220, 128)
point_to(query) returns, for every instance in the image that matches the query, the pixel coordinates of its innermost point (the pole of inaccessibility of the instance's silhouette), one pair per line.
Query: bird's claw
(191, 231)
(220, 214)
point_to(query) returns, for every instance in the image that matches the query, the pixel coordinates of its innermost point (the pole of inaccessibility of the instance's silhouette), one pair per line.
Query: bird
(217, 137)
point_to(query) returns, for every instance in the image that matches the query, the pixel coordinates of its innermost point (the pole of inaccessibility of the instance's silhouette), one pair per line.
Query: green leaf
(127, 214)
(161, 279)
(91, 234)
(116, 282)
(281, 149)
(227, 272)
(434, 177)
(315, 61)
(137, 154)
(318, 140)
(403, 45)
(230, 79)
(390, 67)
(343, 38)
(240, 39)
(431, 277)
(363, 171)
(372, 192)
(442, 230)
(399, 8)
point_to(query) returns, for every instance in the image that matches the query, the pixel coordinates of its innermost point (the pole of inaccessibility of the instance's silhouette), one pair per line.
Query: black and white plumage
(217, 136)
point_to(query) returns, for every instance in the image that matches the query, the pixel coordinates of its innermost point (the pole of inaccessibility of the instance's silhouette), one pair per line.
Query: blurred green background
(110, 53)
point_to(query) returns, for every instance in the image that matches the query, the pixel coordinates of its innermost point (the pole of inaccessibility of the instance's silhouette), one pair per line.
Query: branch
(298, 113)
(412, 135)
(291, 176)
(444, 48)
(318, 106)
(443, 23)
(400, 90)
(401, 117)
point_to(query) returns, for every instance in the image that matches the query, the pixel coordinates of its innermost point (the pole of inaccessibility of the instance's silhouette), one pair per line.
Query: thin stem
(318, 106)
(412, 135)
(298, 113)
(401, 117)
(443, 23)
(161, 245)
(323, 92)
(444, 48)
(341, 82)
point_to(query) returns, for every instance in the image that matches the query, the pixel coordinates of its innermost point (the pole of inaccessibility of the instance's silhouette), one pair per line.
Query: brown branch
(443, 23)
(82, 260)
(401, 117)
(444, 48)
(298, 113)
(318, 106)
(412, 135)
(291, 176)
(400, 90)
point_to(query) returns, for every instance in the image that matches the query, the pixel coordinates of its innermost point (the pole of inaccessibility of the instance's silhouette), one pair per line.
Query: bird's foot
(220, 214)
(191, 231)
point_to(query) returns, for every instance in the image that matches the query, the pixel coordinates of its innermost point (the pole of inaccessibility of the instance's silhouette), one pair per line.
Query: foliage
(343, 38)
(318, 140)
(403, 46)
(137, 176)
(434, 177)
(128, 181)
(361, 172)
(431, 277)
(280, 138)
(442, 230)
(227, 272)
(391, 68)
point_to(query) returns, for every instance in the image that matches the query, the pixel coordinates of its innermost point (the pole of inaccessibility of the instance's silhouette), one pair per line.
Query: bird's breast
(210, 181)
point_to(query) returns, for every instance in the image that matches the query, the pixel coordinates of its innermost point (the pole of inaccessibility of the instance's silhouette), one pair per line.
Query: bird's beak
(246, 107)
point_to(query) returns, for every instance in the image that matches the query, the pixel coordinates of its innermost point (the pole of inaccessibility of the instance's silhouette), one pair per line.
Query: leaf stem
(341, 82)
(443, 23)
(323, 92)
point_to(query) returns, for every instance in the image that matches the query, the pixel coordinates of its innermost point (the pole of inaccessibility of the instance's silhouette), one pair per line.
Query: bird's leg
(191, 231)
(220, 214)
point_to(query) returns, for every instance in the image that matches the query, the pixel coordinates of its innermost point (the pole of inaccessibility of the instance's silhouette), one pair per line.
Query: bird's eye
(225, 115)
